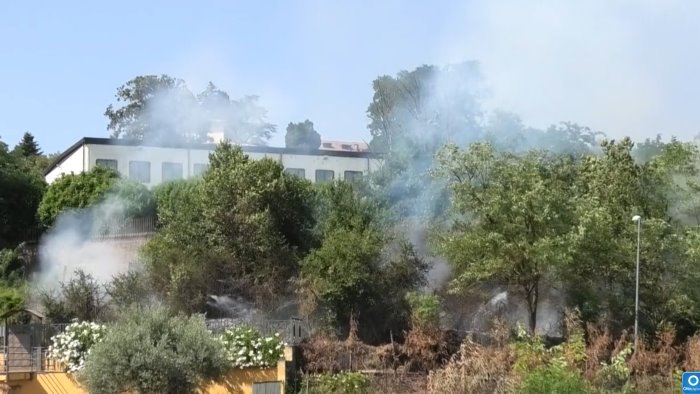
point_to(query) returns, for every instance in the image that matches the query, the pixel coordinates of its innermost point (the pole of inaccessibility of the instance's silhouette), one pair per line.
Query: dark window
(171, 171)
(352, 176)
(346, 147)
(324, 175)
(140, 171)
(107, 163)
(199, 168)
(300, 172)
(327, 145)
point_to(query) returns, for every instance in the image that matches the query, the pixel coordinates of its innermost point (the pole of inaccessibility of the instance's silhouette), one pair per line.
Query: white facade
(152, 165)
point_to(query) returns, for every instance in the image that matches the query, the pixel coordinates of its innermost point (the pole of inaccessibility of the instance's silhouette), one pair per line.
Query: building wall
(74, 164)
(239, 381)
(86, 157)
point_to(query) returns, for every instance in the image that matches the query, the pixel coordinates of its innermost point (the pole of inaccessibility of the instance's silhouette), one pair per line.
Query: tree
(240, 230)
(88, 189)
(513, 217)
(354, 273)
(139, 94)
(82, 298)
(163, 109)
(151, 351)
(611, 189)
(20, 193)
(241, 121)
(302, 135)
(28, 147)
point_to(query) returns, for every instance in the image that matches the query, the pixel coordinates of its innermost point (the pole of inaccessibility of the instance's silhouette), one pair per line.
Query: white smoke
(74, 243)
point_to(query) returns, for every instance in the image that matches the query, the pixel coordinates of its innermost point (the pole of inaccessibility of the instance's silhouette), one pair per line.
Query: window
(324, 175)
(346, 147)
(107, 163)
(300, 172)
(327, 145)
(171, 171)
(352, 176)
(140, 171)
(199, 168)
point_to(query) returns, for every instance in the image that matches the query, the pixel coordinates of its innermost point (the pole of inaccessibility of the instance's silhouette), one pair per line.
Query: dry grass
(474, 369)
(661, 359)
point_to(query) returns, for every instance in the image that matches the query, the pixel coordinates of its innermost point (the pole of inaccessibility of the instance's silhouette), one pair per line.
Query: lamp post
(638, 220)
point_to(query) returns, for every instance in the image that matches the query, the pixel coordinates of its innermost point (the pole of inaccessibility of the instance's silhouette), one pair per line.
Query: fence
(292, 331)
(124, 227)
(24, 347)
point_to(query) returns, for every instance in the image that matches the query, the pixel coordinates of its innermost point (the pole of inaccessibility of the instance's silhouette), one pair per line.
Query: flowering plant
(73, 345)
(246, 348)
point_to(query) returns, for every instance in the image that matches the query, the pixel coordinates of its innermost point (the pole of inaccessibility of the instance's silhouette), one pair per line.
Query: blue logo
(691, 382)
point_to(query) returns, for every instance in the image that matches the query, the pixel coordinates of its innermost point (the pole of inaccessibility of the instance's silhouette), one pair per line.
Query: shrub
(553, 378)
(246, 348)
(339, 383)
(151, 351)
(73, 345)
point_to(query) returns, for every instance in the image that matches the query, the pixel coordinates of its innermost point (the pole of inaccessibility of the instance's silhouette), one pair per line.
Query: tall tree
(162, 108)
(241, 121)
(513, 217)
(611, 189)
(28, 147)
(20, 194)
(359, 269)
(302, 135)
(245, 224)
(139, 95)
(422, 109)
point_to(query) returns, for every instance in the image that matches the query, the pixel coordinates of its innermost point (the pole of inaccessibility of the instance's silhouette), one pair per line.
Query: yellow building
(26, 369)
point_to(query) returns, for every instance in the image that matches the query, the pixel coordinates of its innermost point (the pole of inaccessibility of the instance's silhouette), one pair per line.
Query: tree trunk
(532, 300)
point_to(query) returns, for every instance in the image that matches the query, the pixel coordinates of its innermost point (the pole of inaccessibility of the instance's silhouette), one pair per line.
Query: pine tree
(28, 147)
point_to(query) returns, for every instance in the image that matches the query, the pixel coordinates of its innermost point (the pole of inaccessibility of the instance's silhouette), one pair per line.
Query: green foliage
(87, 189)
(246, 348)
(20, 193)
(339, 383)
(163, 108)
(11, 266)
(12, 297)
(425, 309)
(359, 268)
(75, 191)
(513, 218)
(240, 229)
(554, 379)
(28, 147)
(128, 290)
(616, 374)
(302, 135)
(150, 351)
(82, 298)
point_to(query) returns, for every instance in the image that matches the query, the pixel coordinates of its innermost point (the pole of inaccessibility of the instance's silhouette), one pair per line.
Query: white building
(152, 164)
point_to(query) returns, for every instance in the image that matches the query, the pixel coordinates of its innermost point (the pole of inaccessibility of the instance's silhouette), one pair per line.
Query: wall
(75, 163)
(191, 157)
(236, 382)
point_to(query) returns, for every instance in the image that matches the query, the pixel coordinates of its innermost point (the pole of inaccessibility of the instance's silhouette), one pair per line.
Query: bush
(151, 351)
(246, 348)
(73, 345)
(339, 383)
(554, 379)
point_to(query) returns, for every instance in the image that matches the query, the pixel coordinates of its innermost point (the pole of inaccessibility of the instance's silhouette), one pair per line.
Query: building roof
(246, 148)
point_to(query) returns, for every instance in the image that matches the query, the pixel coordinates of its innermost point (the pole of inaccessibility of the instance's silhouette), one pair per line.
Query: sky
(624, 67)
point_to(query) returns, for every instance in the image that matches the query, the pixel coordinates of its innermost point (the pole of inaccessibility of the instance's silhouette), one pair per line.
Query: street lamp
(637, 219)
